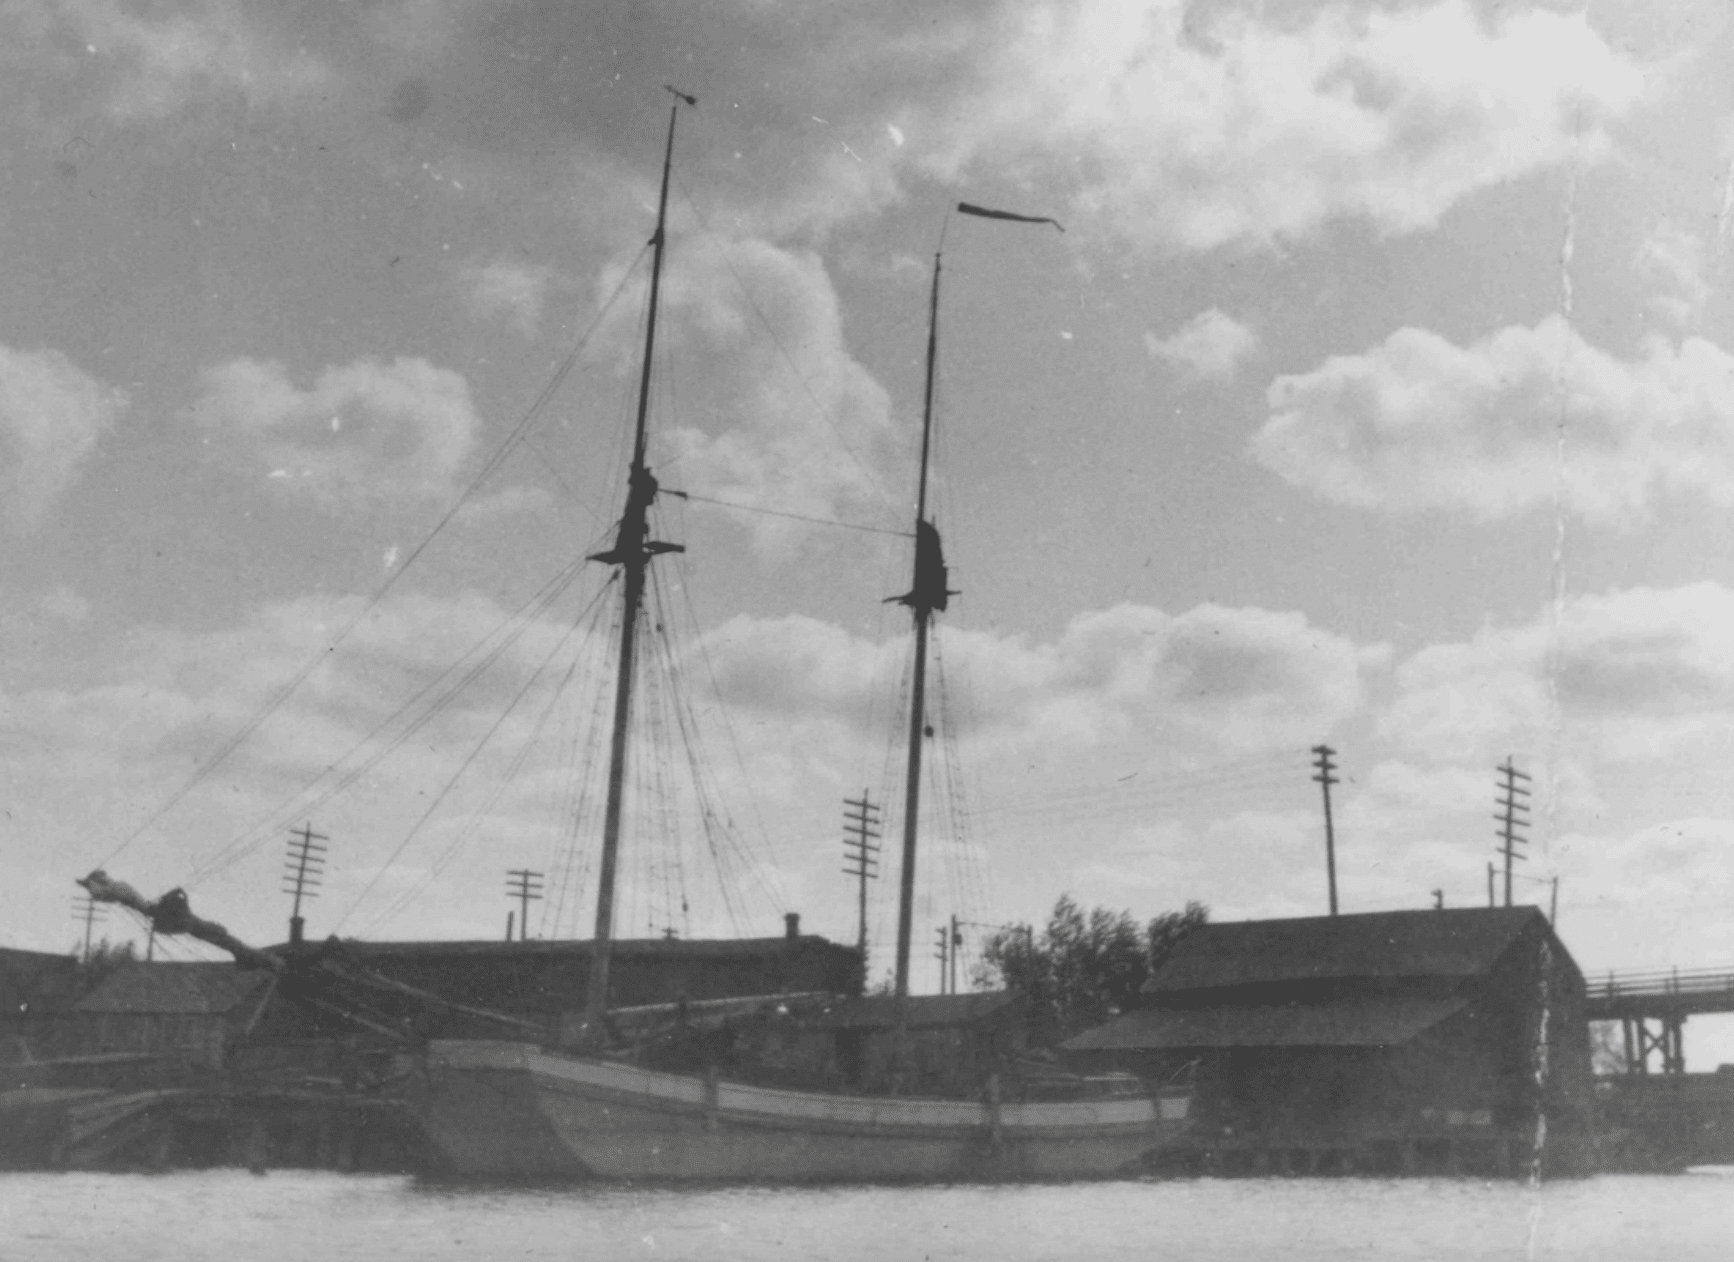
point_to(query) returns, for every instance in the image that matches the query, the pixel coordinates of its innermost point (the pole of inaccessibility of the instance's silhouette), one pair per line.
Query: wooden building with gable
(1391, 1041)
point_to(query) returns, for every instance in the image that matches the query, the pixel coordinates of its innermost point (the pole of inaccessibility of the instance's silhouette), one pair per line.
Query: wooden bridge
(1663, 996)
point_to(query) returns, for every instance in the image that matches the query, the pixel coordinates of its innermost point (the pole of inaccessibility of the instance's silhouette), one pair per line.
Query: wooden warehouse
(1389, 1041)
(184, 1015)
(546, 982)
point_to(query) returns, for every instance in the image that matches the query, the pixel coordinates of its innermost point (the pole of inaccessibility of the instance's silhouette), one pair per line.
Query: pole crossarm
(1513, 816)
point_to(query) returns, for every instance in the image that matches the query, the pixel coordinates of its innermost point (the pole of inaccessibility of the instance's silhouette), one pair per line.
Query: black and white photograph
(850, 629)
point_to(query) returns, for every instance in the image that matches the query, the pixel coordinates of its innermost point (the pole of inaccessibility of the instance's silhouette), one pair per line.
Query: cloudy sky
(1379, 392)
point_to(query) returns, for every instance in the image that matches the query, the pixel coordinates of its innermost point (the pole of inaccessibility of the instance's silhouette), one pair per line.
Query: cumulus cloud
(1209, 347)
(515, 291)
(1213, 678)
(364, 433)
(159, 61)
(1671, 261)
(1193, 130)
(52, 415)
(1418, 423)
(1636, 675)
(792, 422)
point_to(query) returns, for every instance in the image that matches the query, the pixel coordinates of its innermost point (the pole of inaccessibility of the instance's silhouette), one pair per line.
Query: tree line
(1085, 967)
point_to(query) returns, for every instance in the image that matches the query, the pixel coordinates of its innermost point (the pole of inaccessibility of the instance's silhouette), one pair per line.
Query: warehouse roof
(1460, 942)
(568, 948)
(1349, 1022)
(197, 988)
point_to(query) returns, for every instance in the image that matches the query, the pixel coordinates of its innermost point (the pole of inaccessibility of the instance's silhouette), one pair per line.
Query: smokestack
(792, 924)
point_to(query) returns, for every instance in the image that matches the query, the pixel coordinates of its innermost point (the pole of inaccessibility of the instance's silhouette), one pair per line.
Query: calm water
(229, 1216)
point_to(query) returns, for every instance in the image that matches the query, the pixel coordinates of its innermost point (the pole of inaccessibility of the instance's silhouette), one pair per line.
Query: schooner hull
(512, 1110)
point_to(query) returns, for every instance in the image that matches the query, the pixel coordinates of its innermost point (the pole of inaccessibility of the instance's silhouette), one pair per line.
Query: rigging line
(670, 701)
(1147, 799)
(728, 726)
(577, 802)
(974, 892)
(1250, 777)
(554, 472)
(716, 241)
(451, 784)
(247, 843)
(709, 797)
(283, 694)
(776, 512)
(573, 807)
(666, 697)
(468, 832)
(724, 842)
(306, 799)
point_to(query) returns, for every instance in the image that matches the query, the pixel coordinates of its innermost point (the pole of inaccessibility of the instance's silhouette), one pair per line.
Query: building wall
(190, 1039)
(547, 984)
(32, 982)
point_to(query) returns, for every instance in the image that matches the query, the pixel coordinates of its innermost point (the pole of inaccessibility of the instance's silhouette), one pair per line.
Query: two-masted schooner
(517, 1108)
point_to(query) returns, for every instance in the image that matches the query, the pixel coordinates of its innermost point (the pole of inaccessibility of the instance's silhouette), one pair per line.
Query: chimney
(792, 924)
(297, 930)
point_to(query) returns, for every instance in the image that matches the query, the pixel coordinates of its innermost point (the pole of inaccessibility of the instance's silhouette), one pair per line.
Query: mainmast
(926, 594)
(632, 552)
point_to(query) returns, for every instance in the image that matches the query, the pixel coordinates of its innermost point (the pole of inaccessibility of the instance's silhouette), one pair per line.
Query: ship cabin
(1393, 1041)
(952, 1042)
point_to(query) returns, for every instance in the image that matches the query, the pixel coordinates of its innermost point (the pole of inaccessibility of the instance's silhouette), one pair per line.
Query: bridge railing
(1660, 982)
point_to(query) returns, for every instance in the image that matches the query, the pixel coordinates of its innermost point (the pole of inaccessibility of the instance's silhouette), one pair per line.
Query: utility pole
(942, 938)
(956, 941)
(1490, 899)
(1513, 816)
(861, 830)
(301, 874)
(92, 913)
(525, 886)
(1322, 762)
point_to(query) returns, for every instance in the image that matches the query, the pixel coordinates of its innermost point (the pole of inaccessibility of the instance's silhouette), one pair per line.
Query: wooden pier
(1652, 1008)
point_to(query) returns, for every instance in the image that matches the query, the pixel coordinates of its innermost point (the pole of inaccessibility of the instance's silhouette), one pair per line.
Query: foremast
(927, 594)
(632, 552)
